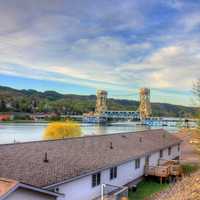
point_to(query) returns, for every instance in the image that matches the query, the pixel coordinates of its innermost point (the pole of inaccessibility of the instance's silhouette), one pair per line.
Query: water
(23, 132)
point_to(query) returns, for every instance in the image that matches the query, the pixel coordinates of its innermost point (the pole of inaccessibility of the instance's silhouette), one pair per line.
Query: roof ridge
(81, 137)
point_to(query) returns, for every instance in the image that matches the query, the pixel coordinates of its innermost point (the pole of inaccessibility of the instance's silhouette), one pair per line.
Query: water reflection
(21, 132)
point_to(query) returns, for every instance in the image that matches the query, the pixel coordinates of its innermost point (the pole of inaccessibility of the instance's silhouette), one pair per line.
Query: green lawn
(145, 189)
(190, 168)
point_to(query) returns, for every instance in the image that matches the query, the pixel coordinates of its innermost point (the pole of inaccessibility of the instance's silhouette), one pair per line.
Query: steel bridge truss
(121, 114)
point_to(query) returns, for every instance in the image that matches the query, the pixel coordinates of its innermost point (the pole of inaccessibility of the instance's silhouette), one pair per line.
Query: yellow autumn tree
(61, 130)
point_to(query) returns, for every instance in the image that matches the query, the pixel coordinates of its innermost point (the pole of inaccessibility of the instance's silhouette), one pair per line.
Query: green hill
(12, 100)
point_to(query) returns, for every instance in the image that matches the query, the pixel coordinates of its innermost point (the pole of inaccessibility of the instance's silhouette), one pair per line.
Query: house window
(169, 151)
(147, 160)
(137, 163)
(96, 179)
(113, 173)
(161, 153)
(178, 147)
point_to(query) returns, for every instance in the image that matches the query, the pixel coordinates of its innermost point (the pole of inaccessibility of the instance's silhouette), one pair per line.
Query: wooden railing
(164, 169)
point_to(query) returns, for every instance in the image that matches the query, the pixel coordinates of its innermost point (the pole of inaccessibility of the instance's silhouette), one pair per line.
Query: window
(96, 179)
(178, 147)
(147, 160)
(137, 163)
(161, 153)
(113, 173)
(169, 151)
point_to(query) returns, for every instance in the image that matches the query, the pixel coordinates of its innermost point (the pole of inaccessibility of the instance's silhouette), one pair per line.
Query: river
(24, 132)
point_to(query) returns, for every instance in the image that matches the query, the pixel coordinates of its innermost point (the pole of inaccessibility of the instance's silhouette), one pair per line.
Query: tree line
(32, 101)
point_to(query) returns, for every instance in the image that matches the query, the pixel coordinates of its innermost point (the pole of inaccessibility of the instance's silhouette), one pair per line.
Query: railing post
(102, 193)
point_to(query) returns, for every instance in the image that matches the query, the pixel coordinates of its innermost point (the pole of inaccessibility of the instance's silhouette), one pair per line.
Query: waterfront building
(79, 167)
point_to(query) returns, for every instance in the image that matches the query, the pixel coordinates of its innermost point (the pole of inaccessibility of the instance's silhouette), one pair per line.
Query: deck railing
(164, 169)
(112, 192)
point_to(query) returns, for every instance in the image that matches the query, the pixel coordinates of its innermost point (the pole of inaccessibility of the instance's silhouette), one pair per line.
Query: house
(5, 117)
(77, 167)
(14, 190)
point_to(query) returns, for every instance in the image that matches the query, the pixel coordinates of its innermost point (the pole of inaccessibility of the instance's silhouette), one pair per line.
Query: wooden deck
(165, 169)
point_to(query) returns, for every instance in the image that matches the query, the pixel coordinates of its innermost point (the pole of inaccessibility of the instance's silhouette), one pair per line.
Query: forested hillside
(12, 100)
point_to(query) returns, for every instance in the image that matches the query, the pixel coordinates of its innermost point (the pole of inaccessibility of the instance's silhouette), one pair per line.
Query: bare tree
(196, 90)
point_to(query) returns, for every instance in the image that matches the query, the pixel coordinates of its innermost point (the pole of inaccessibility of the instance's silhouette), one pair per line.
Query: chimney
(111, 145)
(46, 158)
(140, 139)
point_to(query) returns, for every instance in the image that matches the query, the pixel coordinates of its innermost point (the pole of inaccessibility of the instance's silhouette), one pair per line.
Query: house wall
(174, 153)
(25, 194)
(82, 188)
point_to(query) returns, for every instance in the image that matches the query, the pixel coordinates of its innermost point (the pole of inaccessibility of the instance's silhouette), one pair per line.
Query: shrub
(189, 168)
(61, 130)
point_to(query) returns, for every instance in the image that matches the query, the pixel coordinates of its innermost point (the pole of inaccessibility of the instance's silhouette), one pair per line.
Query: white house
(77, 167)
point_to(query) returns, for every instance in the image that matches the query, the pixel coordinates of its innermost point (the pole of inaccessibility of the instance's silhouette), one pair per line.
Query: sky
(79, 46)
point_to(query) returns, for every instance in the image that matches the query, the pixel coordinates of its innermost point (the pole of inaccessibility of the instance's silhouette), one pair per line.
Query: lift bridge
(143, 113)
(102, 113)
(144, 110)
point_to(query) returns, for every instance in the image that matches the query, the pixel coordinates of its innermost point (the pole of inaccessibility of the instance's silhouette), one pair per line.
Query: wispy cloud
(116, 45)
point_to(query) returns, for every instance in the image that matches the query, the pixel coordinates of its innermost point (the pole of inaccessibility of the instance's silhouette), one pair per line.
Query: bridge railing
(121, 114)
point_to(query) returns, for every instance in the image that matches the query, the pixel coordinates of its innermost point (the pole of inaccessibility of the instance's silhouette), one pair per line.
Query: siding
(81, 189)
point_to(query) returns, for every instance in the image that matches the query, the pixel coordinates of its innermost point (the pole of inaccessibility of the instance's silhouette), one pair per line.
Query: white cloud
(190, 21)
(174, 66)
(98, 44)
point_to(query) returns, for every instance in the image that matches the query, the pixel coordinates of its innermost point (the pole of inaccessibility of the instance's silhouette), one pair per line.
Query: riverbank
(23, 121)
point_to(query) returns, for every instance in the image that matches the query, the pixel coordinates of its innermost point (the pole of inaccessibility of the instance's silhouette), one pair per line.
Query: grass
(146, 189)
(189, 168)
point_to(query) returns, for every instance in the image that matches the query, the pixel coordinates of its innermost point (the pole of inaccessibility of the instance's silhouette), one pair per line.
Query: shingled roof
(8, 186)
(74, 157)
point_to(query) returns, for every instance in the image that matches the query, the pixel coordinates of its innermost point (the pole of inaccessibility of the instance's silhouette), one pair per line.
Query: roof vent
(111, 145)
(46, 158)
(124, 136)
(140, 139)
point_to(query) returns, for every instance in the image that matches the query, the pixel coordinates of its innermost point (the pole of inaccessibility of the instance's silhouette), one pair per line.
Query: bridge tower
(101, 102)
(145, 105)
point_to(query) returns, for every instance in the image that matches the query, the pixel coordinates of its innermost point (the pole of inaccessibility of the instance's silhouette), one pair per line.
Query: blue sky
(82, 45)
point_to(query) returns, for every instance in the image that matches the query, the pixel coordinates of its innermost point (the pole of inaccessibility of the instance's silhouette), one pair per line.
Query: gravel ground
(189, 187)
(188, 151)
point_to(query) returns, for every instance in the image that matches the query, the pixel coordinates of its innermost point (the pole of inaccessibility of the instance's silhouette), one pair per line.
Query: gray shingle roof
(74, 157)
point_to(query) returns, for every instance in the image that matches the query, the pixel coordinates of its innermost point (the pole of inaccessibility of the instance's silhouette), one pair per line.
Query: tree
(2, 105)
(61, 130)
(196, 90)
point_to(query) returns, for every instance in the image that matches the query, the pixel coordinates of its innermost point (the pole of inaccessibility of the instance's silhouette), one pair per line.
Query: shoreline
(23, 121)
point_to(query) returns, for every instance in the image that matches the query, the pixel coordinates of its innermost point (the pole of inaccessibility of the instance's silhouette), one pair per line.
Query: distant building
(43, 116)
(5, 117)
(78, 167)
